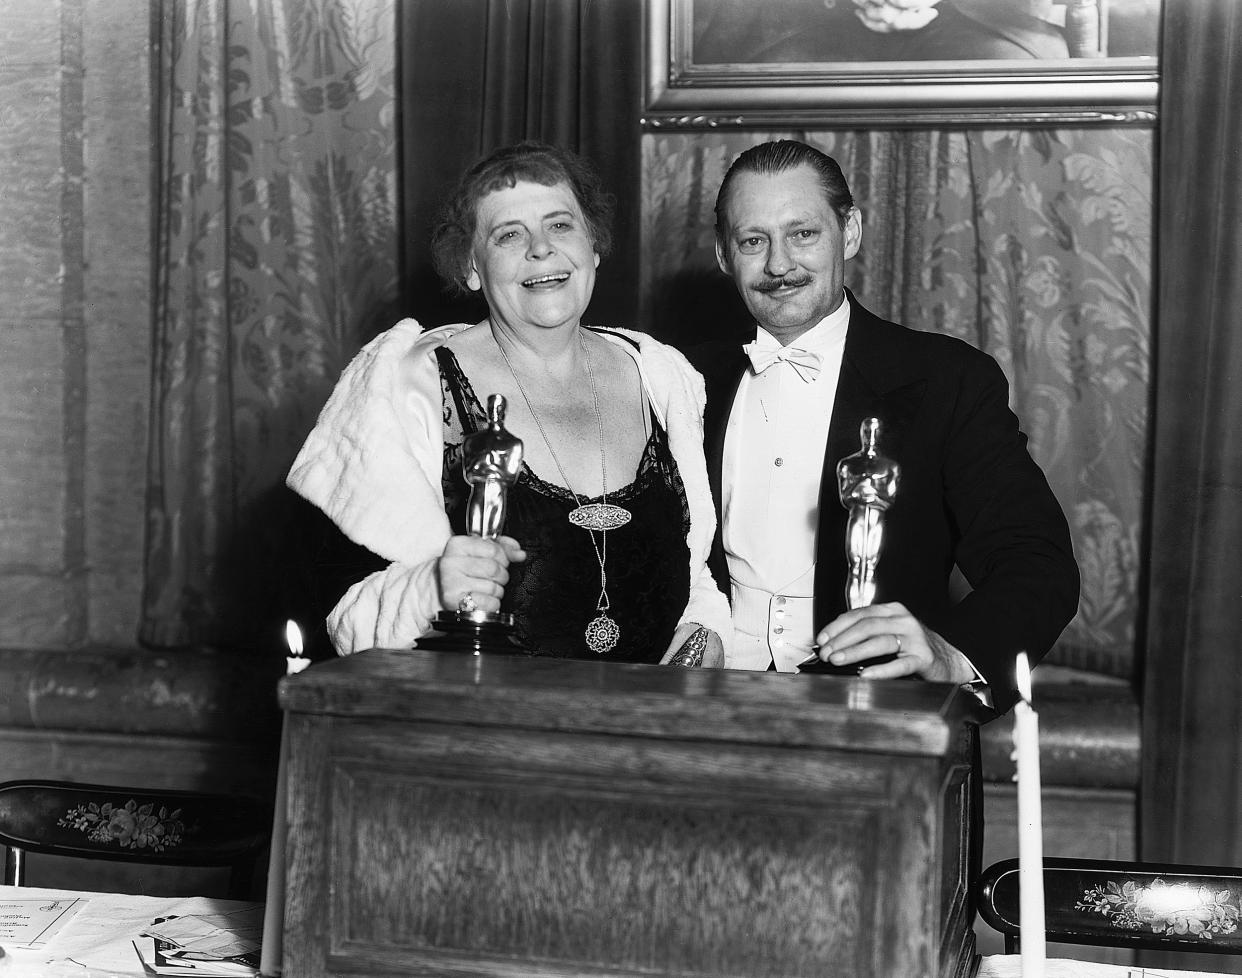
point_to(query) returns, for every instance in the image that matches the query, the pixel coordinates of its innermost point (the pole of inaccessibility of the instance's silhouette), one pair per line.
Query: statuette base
(474, 633)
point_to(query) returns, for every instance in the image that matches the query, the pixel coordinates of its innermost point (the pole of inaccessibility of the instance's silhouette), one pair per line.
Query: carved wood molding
(872, 118)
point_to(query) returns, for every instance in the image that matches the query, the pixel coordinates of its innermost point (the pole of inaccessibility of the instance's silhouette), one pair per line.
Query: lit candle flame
(1022, 673)
(293, 638)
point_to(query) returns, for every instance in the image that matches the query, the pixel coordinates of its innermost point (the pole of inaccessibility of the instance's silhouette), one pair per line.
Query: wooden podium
(454, 815)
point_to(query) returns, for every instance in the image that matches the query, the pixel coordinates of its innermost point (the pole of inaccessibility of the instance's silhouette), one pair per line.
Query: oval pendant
(602, 634)
(599, 516)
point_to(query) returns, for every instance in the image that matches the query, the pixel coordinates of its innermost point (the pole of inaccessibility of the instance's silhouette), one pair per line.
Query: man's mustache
(785, 282)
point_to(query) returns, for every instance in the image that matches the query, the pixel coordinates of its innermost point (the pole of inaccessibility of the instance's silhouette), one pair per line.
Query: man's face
(785, 249)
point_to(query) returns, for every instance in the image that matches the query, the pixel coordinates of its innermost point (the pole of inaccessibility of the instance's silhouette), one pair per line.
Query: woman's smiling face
(533, 257)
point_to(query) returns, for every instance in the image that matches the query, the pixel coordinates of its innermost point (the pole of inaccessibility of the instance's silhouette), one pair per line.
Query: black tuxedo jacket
(970, 494)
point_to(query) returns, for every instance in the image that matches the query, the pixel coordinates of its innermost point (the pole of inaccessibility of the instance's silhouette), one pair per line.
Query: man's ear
(852, 232)
(722, 259)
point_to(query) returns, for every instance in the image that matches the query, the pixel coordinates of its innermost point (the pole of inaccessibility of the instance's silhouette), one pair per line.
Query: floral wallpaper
(276, 259)
(1033, 245)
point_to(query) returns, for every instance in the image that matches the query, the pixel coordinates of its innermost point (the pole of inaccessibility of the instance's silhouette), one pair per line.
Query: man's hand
(886, 16)
(883, 629)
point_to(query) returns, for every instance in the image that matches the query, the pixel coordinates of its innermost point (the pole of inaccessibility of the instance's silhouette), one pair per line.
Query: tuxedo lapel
(722, 368)
(853, 398)
(721, 376)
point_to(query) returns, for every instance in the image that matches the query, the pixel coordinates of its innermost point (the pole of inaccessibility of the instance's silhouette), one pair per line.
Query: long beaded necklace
(602, 633)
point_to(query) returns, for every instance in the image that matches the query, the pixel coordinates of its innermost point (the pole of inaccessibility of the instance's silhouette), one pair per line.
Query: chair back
(1122, 904)
(140, 825)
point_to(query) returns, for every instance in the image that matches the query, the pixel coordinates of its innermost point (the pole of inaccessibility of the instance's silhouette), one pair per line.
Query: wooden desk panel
(452, 816)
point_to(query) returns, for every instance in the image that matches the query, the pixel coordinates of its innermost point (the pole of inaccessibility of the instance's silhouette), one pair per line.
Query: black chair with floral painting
(133, 825)
(1109, 903)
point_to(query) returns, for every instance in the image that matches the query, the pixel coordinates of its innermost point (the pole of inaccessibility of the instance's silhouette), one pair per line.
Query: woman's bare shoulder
(469, 337)
(621, 344)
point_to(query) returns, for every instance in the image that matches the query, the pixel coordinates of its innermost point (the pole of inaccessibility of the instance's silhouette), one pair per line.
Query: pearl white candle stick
(272, 948)
(1030, 826)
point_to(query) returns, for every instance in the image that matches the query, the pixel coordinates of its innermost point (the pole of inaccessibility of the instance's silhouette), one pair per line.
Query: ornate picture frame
(783, 64)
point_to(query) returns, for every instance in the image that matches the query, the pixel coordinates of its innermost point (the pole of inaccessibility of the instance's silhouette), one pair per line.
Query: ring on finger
(898, 637)
(467, 604)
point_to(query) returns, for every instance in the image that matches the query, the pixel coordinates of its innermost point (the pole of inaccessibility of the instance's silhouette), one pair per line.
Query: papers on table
(203, 944)
(99, 941)
(1010, 966)
(31, 922)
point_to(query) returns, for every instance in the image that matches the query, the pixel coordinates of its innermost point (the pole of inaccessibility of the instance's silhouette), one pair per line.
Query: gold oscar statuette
(867, 483)
(490, 462)
(867, 486)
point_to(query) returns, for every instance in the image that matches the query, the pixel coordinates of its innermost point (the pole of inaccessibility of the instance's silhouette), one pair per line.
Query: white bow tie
(805, 362)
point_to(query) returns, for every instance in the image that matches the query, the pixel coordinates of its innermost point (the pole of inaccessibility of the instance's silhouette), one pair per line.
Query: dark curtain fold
(566, 72)
(1192, 737)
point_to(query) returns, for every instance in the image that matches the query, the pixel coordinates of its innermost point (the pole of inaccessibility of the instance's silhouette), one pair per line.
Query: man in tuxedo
(786, 407)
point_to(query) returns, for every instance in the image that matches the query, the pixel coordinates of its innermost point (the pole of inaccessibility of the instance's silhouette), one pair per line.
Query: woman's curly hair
(533, 162)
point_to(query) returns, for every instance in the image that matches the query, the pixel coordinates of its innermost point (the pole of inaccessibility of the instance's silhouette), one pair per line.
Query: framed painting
(943, 63)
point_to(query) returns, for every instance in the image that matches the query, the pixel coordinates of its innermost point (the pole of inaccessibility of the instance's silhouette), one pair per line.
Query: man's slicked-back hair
(531, 162)
(781, 156)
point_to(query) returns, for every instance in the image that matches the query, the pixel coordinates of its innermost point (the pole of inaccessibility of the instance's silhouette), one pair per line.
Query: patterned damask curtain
(276, 258)
(1032, 245)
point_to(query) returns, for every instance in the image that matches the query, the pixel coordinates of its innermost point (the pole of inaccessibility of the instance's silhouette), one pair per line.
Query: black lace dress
(553, 594)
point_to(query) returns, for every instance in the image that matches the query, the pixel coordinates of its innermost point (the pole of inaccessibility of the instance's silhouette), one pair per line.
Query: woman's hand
(694, 646)
(472, 572)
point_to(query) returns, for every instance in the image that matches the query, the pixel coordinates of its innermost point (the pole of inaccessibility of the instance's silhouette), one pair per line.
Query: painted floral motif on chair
(131, 826)
(1164, 908)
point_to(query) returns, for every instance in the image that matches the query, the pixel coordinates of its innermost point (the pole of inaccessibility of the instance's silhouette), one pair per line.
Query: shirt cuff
(977, 687)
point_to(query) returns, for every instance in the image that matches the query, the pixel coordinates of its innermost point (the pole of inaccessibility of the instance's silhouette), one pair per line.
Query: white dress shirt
(773, 462)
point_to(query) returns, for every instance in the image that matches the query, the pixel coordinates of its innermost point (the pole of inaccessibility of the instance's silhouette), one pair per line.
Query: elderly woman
(610, 520)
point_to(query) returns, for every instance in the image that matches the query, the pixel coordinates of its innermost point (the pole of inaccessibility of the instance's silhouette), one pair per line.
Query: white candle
(1030, 826)
(272, 948)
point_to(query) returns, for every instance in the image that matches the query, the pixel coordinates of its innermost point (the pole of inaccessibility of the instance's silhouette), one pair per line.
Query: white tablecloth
(1010, 966)
(97, 942)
